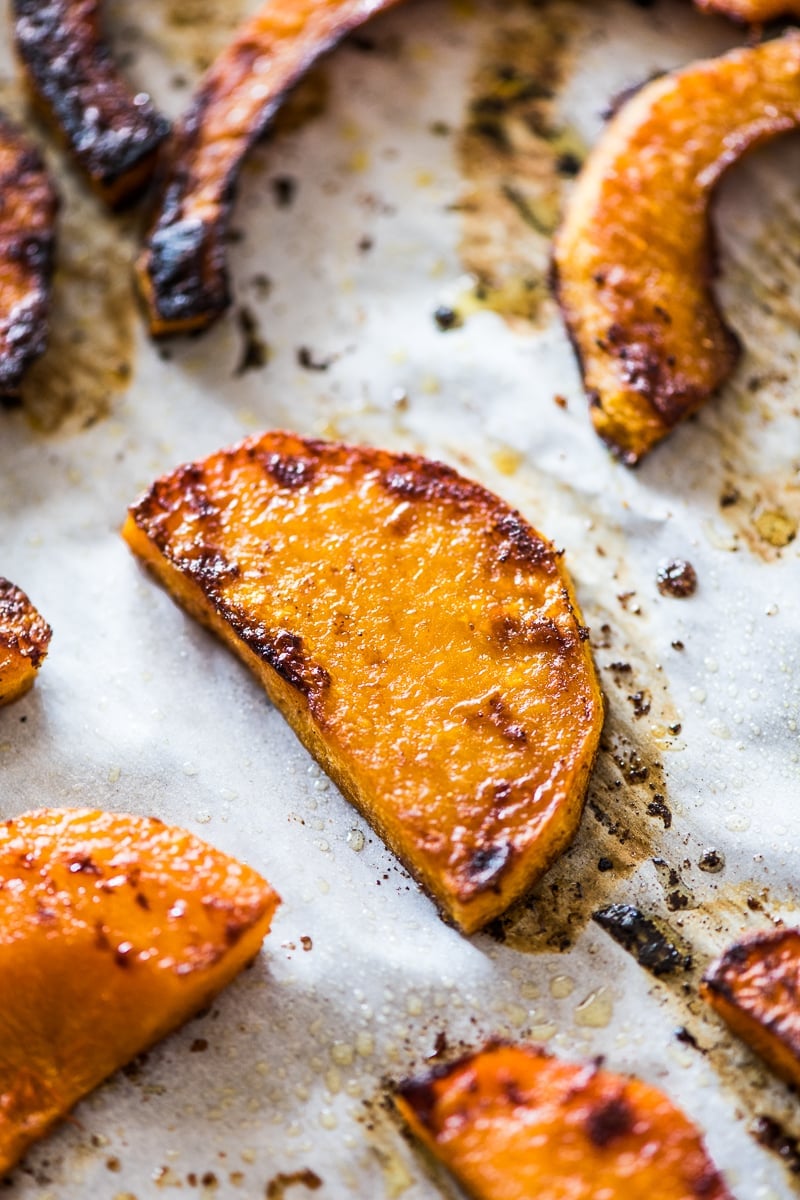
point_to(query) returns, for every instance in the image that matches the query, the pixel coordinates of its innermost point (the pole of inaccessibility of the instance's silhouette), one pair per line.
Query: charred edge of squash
(24, 329)
(716, 981)
(182, 270)
(22, 627)
(73, 75)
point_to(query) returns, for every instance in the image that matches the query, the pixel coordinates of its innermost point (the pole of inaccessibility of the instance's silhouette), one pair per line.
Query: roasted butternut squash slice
(114, 930)
(751, 12)
(634, 260)
(113, 132)
(511, 1123)
(24, 640)
(27, 239)
(422, 640)
(755, 988)
(182, 270)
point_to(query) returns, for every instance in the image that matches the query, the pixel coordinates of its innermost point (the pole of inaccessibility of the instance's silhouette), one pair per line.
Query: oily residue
(89, 356)
(194, 31)
(516, 158)
(763, 513)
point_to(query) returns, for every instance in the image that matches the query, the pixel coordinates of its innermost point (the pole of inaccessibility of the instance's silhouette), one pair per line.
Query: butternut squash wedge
(24, 641)
(27, 241)
(755, 988)
(113, 132)
(511, 1123)
(421, 639)
(634, 259)
(114, 930)
(182, 269)
(751, 12)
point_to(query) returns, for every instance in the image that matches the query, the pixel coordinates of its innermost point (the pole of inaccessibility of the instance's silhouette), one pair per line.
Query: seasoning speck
(447, 318)
(677, 578)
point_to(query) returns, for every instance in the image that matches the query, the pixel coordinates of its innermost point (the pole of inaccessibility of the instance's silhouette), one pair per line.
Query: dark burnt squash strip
(28, 208)
(113, 132)
(182, 269)
(24, 641)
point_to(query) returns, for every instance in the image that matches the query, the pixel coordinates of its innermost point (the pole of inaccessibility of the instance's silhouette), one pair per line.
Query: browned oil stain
(762, 512)
(304, 104)
(194, 31)
(89, 357)
(516, 158)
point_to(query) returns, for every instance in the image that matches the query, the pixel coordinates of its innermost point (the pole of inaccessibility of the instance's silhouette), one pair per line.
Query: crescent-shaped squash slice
(24, 639)
(114, 930)
(27, 239)
(112, 131)
(422, 640)
(755, 988)
(182, 270)
(511, 1123)
(751, 12)
(634, 258)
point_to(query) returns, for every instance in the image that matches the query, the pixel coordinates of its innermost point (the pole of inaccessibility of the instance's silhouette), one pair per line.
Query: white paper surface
(137, 709)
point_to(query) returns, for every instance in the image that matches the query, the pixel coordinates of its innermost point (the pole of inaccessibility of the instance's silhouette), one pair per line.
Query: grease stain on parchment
(194, 31)
(89, 355)
(516, 158)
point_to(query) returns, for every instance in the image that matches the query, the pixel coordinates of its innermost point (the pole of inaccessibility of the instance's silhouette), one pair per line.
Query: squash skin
(455, 705)
(113, 132)
(633, 260)
(182, 272)
(512, 1123)
(24, 641)
(114, 930)
(755, 987)
(27, 243)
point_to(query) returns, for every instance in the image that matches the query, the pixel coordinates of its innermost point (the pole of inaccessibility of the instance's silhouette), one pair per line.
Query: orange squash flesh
(634, 259)
(751, 12)
(755, 988)
(114, 930)
(24, 640)
(27, 239)
(421, 639)
(511, 1123)
(113, 132)
(182, 269)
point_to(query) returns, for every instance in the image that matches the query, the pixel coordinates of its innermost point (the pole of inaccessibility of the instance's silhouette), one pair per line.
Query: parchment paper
(138, 709)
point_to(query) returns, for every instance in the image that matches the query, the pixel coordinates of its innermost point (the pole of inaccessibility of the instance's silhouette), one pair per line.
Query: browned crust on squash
(24, 642)
(512, 1122)
(112, 131)
(189, 535)
(634, 258)
(755, 987)
(27, 243)
(182, 269)
(751, 12)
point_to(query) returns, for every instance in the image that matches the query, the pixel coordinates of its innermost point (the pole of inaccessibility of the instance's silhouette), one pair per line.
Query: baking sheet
(392, 203)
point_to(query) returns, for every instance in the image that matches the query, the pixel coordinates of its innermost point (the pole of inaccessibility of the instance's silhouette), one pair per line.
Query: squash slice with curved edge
(27, 240)
(113, 132)
(633, 260)
(182, 269)
(422, 640)
(512, 1123)
(755, 987)
(24, 640)
(114, 930)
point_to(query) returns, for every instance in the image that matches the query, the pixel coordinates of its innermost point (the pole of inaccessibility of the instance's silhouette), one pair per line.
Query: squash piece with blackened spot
(113, 132)
(114, 930)
(422, 640)
(27, 240)
(512, 1123)
(634, 259)
(755, 988)
(182, 269)
(24, 640)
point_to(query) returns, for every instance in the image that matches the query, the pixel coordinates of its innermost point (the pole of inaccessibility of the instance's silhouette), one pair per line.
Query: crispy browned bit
(420, 637)
(633, 259)
(755, 988)
(677, 578)
(24, 640)
(27, 239)
(511, 1123)
(182, 270)
(641, 936)
(113, 131)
